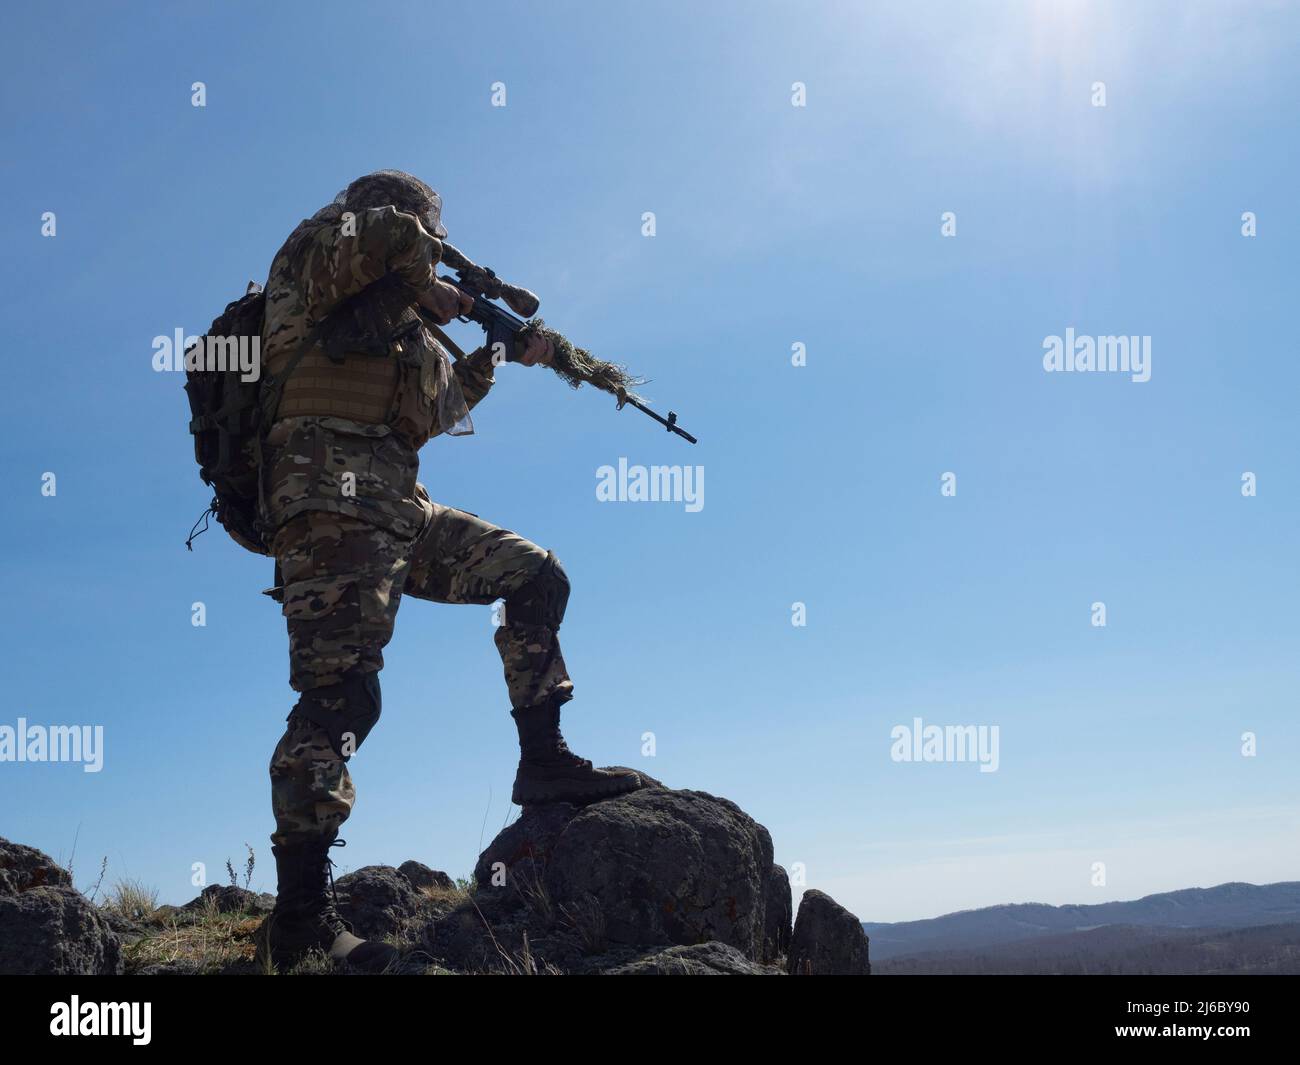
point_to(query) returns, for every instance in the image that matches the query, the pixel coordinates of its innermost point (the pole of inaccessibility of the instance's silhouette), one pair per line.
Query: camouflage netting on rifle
(578, 366)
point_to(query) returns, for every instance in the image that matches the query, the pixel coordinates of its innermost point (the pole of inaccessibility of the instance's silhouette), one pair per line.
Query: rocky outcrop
(655, 882)
(827, 940)
(47, 927)
(613, 884)
(702, 959)
(23, 868)
(780, 908)
(424, 878)
(379, 901)
(226, 898)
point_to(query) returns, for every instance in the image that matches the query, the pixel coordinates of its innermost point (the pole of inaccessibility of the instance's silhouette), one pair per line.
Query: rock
(478, 936)
(125, 928)
(655, 867)
(23, 868)
(179, 967)
(47, 927)
(421, 876)
(780, 912)
(517, 858)
(226, 898)
(701, 959)
(524, 846)
(827, 940)
(55, 931)
(377, 900)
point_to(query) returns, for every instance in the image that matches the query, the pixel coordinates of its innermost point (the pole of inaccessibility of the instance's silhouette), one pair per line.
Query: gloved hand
(445, 302)
(537, 350)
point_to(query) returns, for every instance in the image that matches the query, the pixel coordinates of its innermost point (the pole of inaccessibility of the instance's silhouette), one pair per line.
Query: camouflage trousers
(343, 580)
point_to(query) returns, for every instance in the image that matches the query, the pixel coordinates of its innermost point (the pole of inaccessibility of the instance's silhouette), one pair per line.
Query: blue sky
(776, 225)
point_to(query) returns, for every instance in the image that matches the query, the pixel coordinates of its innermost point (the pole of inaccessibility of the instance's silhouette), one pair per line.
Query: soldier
(359, 384)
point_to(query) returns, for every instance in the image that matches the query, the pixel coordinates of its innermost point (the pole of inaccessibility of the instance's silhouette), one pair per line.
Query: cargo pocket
(327, 634)
(417, 393)
(313, 599)
(346, 581)
(347, 465)
(291, 466)
(395, 465)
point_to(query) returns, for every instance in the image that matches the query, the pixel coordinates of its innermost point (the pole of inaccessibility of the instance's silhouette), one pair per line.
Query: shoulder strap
(270, 400)
(447, 342)
(268, 403)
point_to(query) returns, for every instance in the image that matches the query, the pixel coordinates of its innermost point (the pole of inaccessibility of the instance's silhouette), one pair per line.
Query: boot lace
(331, 913)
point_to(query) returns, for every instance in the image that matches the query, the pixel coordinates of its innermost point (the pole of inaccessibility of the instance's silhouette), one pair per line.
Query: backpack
(228, 415)
(226, 424)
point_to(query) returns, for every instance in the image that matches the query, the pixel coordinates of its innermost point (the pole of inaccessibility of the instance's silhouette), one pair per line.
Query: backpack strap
(268, 404)
(446, 341)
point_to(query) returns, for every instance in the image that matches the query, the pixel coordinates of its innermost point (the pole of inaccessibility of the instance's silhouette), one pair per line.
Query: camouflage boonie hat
(403, 191)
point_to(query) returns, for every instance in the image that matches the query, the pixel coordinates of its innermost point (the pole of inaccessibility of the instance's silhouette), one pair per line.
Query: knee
(543, 598)
(347, 711)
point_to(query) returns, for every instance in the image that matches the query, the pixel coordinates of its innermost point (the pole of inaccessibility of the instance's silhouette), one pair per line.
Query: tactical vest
(371, 365)
(362, 388)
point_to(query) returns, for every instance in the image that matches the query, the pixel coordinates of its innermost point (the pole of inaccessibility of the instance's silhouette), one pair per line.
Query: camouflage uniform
(354, 531)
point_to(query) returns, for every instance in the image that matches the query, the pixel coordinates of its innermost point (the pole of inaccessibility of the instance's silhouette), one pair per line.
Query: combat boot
(550, 772)
(305, 917)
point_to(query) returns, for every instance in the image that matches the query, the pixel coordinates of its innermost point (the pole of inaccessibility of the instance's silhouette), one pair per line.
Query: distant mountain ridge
(1232, 905)
(1117, 949)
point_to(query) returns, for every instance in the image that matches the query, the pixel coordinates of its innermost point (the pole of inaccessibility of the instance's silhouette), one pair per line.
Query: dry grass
(313, 963)
(449, 897)
(523, 963)
(587, 920)
(532, 890)
(211, 942)
(133, 900)
(207, 941)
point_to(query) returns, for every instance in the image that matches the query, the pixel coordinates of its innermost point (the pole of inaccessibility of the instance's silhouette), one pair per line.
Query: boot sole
(573, 789)
(283, 961)
(346, 949)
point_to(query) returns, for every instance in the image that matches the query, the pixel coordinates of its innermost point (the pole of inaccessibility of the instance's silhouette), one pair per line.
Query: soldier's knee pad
(347, 711)
(543, 599)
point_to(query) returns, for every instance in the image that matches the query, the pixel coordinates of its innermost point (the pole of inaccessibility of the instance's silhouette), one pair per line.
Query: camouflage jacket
(347, 433)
